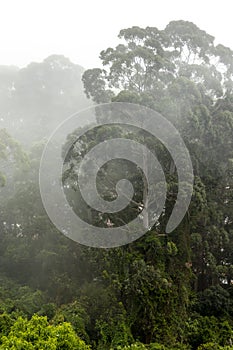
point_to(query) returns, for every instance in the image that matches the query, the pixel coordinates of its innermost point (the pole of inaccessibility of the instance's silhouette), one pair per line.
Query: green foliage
(215, 301)
(10, 152)
(210, 346)
(135, 346)
(20, 299)
(74, 314)
(203, 329)
(166, 291)
(38, 334)
(5, 323)
(152, 346)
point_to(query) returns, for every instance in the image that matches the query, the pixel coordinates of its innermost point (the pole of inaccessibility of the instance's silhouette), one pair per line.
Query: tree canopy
(163, 291)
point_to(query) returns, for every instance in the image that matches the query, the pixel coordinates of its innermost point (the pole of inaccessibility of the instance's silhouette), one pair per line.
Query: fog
(116, 175)
(31, 31)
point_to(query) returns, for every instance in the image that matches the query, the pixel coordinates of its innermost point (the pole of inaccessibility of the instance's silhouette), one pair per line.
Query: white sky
(31, 30)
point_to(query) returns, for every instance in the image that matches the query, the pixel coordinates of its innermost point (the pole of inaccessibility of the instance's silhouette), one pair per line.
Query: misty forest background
(164, 291)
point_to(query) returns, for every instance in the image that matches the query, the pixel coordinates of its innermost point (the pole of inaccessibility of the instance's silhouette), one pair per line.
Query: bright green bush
(37, 334)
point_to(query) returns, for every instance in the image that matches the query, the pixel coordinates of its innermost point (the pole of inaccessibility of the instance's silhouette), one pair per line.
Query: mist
(116, 210)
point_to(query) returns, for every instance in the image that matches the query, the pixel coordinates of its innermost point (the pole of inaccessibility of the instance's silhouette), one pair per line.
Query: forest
(164, 291)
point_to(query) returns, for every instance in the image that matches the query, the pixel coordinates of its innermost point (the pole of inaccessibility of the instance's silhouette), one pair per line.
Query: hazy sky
(31, 30)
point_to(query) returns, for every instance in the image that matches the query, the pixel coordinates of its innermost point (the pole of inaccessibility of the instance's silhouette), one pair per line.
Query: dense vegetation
(164, 291)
